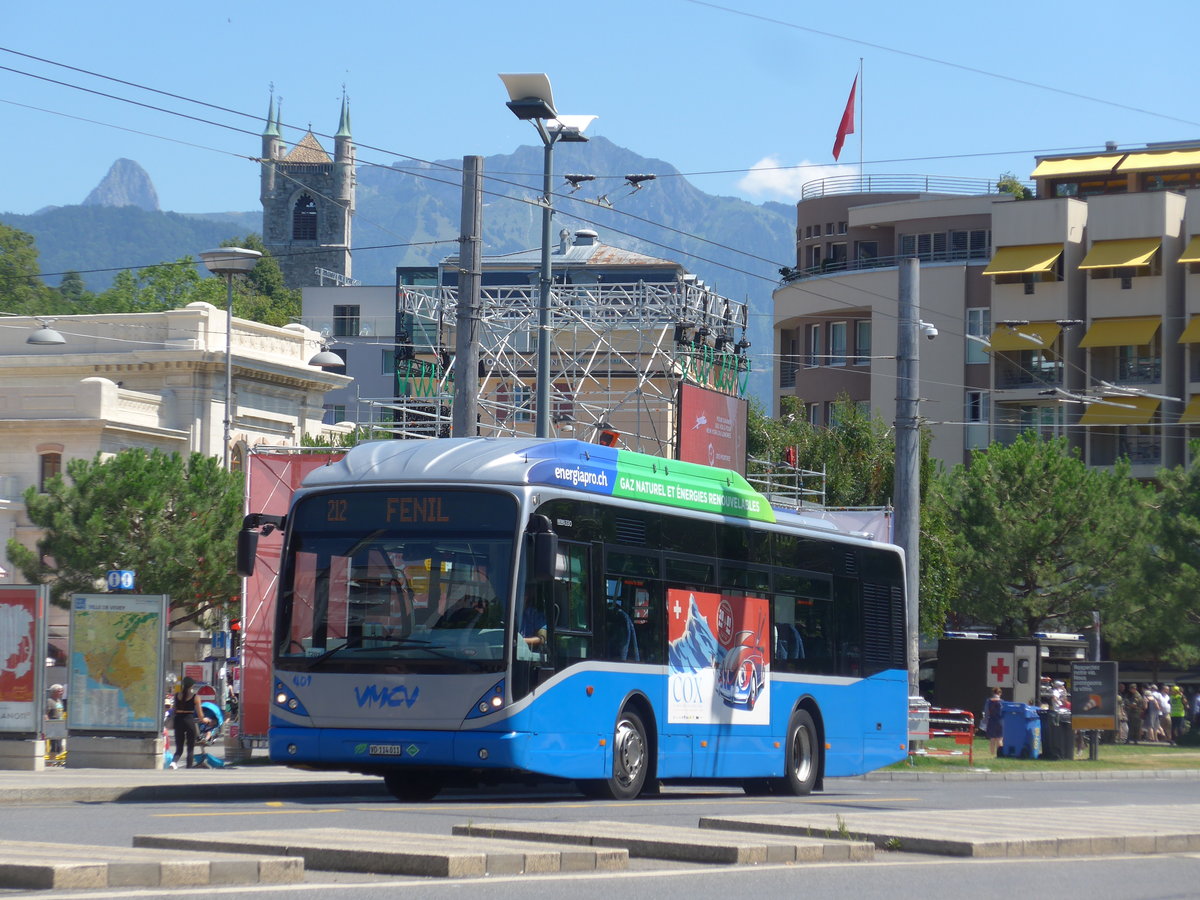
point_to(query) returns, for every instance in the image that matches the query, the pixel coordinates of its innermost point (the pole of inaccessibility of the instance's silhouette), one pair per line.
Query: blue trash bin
(1022, 731)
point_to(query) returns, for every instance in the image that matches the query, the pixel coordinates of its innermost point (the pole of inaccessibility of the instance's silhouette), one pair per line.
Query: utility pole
(470, 262)
(907, 478)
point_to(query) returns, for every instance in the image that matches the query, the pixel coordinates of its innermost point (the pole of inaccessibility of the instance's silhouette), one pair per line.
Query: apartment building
(1069, 313)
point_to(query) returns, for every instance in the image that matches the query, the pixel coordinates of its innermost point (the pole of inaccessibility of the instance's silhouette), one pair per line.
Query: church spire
(272, 122)
(344, 123)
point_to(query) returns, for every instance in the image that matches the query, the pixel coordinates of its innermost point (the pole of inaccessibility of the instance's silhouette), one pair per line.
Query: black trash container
(1058, 739)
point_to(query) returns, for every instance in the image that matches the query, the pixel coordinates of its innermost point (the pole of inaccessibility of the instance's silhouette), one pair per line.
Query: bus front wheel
(630, 762)
(411, 788)
(802, 760)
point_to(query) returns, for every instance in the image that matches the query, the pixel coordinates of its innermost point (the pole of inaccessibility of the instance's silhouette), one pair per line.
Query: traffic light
(235, 636)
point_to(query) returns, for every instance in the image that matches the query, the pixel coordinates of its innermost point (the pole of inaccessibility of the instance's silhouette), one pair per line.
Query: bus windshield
(397, 580)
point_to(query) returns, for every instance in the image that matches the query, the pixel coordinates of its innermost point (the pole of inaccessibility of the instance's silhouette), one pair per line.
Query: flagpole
(861, 104)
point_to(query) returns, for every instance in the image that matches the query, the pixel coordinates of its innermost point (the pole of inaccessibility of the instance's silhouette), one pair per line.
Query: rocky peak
(126, 184)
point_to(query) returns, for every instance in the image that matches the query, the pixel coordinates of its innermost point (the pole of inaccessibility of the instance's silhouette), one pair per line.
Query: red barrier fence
(952, 723)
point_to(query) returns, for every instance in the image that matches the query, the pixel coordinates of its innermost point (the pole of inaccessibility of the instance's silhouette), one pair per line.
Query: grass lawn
(1130, 757)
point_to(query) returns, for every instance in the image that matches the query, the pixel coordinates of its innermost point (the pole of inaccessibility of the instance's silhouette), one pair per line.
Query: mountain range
(408, 214)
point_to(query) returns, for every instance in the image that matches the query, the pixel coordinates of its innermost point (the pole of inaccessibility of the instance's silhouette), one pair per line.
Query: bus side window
(572, 615)
(634, 592)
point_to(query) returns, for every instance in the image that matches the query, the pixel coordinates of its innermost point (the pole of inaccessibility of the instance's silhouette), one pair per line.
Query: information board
(1094, 696)
(117, 662)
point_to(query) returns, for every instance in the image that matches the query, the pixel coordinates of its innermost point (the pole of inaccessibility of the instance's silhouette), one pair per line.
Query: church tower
(308, 202)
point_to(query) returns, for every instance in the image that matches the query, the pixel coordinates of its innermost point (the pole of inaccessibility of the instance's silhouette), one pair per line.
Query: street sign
(121, 580)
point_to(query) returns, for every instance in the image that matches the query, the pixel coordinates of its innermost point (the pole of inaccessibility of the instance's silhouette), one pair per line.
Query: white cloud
(771, 179)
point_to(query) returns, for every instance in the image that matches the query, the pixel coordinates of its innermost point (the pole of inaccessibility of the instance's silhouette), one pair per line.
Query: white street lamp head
(230, 260)
(529, 96)
(45, 336)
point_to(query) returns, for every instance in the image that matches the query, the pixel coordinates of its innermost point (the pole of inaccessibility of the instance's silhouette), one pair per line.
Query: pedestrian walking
(189, 716)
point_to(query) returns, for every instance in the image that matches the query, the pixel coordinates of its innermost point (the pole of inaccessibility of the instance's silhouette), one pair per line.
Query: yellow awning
(1005, 339)
(1130, 332)
(1191, 415)
(1132, 411)
(1125, 252)
(1163, 159)
(1020, 260)
(1192, 253)
(1191, 334)
(1078, 165)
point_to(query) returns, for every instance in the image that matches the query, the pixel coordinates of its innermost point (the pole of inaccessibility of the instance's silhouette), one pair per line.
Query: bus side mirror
(247, 541)
(545, 548)
(247, 550)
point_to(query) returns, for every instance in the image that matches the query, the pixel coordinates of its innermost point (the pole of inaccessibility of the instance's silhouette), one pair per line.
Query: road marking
(247, 812)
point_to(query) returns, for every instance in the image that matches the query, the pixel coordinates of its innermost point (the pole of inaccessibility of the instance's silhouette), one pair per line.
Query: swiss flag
(846, 126)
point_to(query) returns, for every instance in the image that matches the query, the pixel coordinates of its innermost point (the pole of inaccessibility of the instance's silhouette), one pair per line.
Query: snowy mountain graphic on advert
(696, 648)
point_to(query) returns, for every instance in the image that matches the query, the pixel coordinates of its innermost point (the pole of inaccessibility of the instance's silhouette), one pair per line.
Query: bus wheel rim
(802, 754)
(630, 753)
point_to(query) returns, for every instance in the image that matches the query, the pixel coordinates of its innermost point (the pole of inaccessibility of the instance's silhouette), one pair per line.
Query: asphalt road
(896, 875)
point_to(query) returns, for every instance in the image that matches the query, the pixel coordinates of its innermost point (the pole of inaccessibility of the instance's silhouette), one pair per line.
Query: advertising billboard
(719, 662)
(712, 428)
(22, 657)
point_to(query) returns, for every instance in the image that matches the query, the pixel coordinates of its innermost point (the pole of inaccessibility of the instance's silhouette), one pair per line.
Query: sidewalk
(256, 782)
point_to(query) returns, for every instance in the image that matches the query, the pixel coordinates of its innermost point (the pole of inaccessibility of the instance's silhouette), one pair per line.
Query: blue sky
(734, 88)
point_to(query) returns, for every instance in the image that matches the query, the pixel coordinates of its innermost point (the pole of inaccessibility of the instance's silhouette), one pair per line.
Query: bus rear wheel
(409, 787)
(802, 758)
(630, 762)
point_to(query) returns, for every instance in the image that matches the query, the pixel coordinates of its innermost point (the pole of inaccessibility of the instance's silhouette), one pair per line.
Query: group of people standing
(1156, 713)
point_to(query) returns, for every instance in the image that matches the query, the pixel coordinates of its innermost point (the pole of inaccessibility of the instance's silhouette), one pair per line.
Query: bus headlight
(289, 701)
(490, 702)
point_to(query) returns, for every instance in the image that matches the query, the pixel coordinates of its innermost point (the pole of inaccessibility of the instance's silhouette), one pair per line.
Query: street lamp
(530, 99)
(229, 261)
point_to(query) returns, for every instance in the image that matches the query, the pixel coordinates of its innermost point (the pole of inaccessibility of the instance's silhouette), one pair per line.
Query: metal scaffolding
(618, 354)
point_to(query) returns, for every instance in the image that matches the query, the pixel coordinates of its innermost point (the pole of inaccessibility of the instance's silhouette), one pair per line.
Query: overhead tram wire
(427, 176)
(368, 146)
(943, 62)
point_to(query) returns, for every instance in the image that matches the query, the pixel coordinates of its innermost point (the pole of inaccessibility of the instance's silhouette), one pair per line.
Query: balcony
(898, 184)
(1139, 449)
(839, 266)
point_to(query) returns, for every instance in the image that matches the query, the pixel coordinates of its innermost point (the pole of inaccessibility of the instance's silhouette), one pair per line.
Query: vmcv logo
(374, 695)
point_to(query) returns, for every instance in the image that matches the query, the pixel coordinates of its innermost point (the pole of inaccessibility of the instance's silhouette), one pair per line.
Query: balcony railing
(832, 266)
(898, 184)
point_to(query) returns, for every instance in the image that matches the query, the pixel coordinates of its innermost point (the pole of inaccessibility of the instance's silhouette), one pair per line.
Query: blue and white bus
(459, 610)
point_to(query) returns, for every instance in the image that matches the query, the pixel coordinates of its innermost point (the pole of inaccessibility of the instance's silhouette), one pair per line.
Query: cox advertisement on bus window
(720, 662)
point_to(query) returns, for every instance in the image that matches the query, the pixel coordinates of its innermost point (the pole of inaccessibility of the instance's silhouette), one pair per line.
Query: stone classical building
(149, 380)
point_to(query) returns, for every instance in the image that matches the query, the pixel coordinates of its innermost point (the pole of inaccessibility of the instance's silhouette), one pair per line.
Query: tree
(1008, 183)
(858, 457)
(172, 520)
(262, 295)
(21, 289)
(1160, 622)
(1040, 540)
(73, 290)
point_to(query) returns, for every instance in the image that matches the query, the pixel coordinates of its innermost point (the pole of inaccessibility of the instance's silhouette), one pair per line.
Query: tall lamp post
(229, 261)
(530, 99)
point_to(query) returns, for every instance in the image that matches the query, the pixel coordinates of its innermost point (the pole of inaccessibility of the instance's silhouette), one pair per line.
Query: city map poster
(117, 662)
(22, 657)
(719, 661)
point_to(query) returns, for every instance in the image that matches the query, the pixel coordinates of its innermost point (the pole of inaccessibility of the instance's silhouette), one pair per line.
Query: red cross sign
(999, 670)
